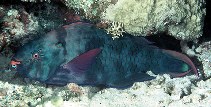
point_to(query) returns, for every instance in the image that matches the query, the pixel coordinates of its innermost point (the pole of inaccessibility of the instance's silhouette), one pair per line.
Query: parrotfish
(83, 54)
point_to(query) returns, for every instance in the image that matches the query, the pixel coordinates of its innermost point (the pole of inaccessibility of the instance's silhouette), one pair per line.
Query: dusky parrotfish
(83, 54)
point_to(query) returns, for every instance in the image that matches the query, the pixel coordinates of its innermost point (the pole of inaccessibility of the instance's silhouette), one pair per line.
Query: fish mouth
(14, 63)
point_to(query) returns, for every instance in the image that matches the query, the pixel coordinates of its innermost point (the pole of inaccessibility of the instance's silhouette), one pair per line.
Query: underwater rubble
(162, 91)
(19, 25)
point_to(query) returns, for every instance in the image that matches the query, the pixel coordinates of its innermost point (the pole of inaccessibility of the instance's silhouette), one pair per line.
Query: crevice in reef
(164, 41)
(207, 24)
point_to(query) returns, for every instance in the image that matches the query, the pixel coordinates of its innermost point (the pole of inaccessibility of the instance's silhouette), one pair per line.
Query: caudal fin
(184, 58)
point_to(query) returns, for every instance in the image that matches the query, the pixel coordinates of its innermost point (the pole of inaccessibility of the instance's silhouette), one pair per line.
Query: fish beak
(14, 64)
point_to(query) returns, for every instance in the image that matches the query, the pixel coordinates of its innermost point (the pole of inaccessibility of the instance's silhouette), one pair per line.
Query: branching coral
(115, 29)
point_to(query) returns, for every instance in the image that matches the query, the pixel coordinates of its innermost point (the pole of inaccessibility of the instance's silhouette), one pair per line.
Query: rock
(181, 19)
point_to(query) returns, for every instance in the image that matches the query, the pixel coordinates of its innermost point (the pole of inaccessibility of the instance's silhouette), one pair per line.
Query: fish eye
(14, 66)
(36, 55)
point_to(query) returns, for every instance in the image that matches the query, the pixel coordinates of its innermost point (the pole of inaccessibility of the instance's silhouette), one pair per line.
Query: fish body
(83, 54)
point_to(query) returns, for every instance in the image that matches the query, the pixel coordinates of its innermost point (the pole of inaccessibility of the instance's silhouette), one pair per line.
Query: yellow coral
(116, 29)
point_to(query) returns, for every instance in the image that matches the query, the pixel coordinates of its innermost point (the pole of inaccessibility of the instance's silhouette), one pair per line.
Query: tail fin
(184, 58)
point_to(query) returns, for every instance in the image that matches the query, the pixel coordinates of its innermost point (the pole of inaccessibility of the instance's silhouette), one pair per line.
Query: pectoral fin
(82, 62)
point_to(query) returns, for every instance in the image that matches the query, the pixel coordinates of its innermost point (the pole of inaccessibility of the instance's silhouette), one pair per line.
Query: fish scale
(83, 54)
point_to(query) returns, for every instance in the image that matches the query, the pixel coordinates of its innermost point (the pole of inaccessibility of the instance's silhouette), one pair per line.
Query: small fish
(83, 54)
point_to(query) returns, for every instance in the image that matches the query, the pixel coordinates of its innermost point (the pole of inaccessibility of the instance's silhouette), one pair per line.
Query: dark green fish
(83, 54)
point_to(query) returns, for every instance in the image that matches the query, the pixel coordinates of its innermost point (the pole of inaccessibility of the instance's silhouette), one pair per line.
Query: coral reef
(36, 0)
(16, 25)
(34, 94)
(204, 51)
(19, 24)
(90, 9)
(163, 91)
(181, 19)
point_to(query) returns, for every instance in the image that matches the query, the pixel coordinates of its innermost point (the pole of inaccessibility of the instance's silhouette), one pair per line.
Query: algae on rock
(181, 19)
